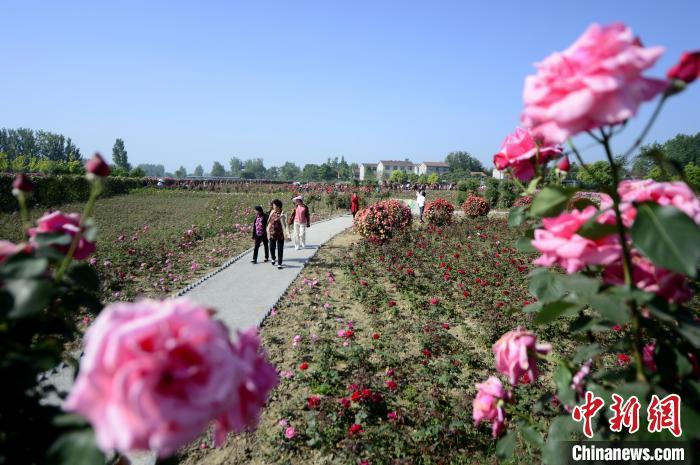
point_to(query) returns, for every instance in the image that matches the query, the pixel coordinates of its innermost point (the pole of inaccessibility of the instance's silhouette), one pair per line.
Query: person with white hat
(301, 220)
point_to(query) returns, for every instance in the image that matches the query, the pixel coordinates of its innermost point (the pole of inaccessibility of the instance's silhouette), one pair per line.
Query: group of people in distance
(271, 229)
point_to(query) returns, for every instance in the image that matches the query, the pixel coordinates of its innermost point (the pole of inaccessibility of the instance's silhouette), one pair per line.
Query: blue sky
(186, 82)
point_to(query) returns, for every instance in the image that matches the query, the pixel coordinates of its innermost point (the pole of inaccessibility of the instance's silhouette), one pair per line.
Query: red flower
(409, 271)
(456, 255)
(564, 164)
(623, 359)
(466, 294)
(313, 402)
(427, 352)
(434, 301)
(391, 303)
(375, 336)
(22, 184)
(363, 283)
(391, 385)
(687, 69)
(303, 366)
(446, 325)
(356, 396)
(345, 402)
(617, 328)
(355, 429)
(97, 166)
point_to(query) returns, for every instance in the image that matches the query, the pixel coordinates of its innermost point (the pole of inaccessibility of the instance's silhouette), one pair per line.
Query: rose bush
(383, 220)
(439, 212)
(475, 206)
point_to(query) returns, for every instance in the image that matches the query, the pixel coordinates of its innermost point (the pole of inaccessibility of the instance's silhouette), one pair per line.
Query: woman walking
(275, 232)
(301, 220)
(354, 204)
(260, 234)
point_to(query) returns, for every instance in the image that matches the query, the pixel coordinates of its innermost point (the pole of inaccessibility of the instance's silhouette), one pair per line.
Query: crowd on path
(272, 229)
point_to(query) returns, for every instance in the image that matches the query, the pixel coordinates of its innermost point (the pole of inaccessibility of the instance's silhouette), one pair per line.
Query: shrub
(439, 212)
(523, 201)
(491, 192)
(506, 194)
(383, 220)
(475, 206)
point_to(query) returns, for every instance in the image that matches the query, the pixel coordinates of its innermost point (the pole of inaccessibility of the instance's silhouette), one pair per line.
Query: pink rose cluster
(671, 286)
(155, 373)
(64, 223)
(488, 405)
(561, 244)
(516, 354)
(596, 81)
(382, 220)
(523, 154)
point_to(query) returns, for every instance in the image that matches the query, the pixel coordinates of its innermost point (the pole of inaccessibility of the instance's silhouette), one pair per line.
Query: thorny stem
(23, 211)
(626, 261)
(87, 212)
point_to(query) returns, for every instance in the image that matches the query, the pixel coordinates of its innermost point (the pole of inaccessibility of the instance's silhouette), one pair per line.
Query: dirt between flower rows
(433, 397)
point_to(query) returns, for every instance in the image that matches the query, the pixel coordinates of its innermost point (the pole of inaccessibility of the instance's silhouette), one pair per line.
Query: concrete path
(242, 294)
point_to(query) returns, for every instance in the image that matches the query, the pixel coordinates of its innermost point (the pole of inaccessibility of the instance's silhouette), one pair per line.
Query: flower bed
(439, 212)
(383, 220)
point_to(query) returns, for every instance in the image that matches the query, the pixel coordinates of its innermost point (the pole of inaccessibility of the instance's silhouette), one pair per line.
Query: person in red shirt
(301, 219)
(354, 204)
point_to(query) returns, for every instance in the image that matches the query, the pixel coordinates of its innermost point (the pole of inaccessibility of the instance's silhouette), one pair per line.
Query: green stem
(23, 211)
(626, 262)
(87, 212)
(646, 129)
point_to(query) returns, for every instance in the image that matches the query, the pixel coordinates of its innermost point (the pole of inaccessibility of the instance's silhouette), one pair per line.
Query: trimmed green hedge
(57, 190)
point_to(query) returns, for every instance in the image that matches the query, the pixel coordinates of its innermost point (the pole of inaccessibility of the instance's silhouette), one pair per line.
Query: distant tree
(289, 172)
(691, 171)
(433, 178)
(137, 173)
(152, 170)
(423, 179)
(199, 171)
(119, 155)
(310, 172)
(326, 172)
(256, 167)
(218, 170)
(273, 173)
(679, 151)
(181, 172)
(236, 166)
(397, 176)
(345, 171)
(596, 174)
(463, 162)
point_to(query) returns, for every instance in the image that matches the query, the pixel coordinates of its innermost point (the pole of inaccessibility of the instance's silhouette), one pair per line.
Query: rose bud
(687, 69)
(564, 164)
(21, 184)
(96, 166)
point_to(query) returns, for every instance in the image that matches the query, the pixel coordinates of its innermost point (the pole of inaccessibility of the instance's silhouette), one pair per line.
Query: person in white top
(420, 199)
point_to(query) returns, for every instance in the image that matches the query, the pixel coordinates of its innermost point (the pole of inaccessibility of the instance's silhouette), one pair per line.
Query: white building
(430, 167)
(366, 169)
(498, 174)
(386, 167)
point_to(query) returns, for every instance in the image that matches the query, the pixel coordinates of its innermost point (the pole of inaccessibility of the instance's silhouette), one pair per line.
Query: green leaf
(545, 286)
(30, 296)
(591, 229)
(76, 448)
(22, 266)
(506, 445)
(517, 216)
(668, 237)
(532, 436)
(550, 202)
(524, 244)
(554, 310)
(586, 352)
(53, 239)
(579, 284)
(533, 307)
(532, 187)
(90, 232)
(555, 450)
(610, 308)
(84, 276)
(562, 379)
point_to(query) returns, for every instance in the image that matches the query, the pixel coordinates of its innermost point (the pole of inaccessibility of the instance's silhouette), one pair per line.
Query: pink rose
(578, 380)
(155, 373)
(523, 154)
(671, 286)
(560, 243)
(596, 81)
(648, 356)
(290, 432)
(488, 405)
(516, 354)
(8, 249)
(63, 223)
(674, 194)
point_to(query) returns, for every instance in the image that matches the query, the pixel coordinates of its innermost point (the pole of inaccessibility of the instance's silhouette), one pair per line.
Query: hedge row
(57, 190)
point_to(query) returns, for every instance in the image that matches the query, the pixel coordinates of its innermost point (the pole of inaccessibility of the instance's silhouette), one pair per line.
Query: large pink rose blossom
(560, 243)
(63, 223)
(154, 373)
(488, 405)
(516, 354)
(674, 194)
(521, 154)
(671, 286)
(596, 81)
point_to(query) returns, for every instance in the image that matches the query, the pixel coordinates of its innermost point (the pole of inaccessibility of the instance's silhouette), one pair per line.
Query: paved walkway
(242, 294)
